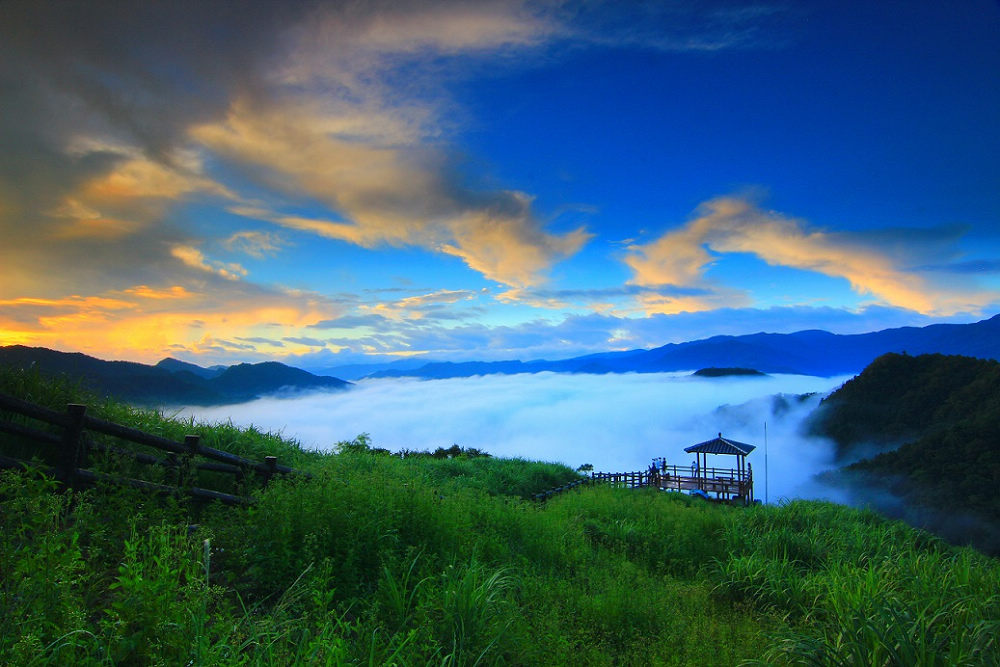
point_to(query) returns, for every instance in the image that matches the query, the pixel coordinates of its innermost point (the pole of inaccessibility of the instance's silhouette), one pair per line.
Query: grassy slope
(418, 561)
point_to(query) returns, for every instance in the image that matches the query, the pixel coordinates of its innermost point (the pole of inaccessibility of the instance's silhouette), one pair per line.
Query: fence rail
(630, 480)
(72, 445)
(548, 493)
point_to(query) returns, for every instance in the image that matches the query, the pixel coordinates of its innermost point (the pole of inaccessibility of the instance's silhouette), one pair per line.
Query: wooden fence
(70, 446)
(629, 480)
(548, 493)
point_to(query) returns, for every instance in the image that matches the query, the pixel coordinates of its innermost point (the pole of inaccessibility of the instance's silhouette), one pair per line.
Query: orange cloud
(195, 259)
(415, 307)
(147, 292)
(144, 178)
(508, 247)
(652, 303)
(74, 302)
(153, 322)
(375, 171)
(734, 225)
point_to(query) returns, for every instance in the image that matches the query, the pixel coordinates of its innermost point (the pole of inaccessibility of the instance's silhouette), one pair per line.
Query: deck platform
(722, 483)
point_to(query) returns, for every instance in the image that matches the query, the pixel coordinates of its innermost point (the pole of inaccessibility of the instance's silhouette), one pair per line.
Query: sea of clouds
(614, 422)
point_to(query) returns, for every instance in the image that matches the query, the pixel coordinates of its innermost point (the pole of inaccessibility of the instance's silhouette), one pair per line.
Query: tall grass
(870, 592)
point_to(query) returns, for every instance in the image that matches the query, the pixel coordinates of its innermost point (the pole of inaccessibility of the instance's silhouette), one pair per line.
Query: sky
(337, 182)
(568, 419)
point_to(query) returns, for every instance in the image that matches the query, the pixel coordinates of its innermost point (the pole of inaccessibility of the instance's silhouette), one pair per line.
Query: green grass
(413, 561)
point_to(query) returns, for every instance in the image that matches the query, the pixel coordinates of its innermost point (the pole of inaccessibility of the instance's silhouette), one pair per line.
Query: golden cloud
(146, 323)
(735, 225)
(129, 196)
(195, 259)
(139, 177)
(508, 247)
(415, 307)
(387, 193)
(75, 302)
(147, 292)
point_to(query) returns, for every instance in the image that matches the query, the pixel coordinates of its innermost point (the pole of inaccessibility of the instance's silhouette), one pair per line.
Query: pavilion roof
(721, 445)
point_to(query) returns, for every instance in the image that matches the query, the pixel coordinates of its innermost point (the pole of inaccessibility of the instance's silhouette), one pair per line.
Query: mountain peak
(170, 381)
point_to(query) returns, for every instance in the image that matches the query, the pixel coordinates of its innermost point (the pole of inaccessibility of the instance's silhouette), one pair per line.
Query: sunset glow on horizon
(329, 183)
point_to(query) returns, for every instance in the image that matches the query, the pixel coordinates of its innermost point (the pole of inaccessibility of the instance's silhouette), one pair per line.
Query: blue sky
(336, 182)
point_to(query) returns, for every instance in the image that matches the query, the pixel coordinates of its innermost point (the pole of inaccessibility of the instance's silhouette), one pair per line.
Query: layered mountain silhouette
(176, 382)
(171, 381)
(175, 365)
(810, 352)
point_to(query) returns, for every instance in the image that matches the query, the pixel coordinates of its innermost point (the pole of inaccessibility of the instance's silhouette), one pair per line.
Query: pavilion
(725, 483)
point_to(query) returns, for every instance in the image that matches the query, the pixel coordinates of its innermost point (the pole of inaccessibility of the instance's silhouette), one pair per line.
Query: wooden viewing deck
(724, 483)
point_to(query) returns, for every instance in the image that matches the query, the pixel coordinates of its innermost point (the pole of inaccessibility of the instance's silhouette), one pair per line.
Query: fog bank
(614, 422)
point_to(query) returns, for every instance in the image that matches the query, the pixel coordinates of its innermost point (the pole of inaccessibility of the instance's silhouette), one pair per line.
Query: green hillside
(378, 559)
(943, 413)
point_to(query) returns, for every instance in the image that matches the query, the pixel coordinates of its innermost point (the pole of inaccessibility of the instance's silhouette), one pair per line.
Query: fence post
(173, 469)
(186, 473)
(272, 468)
(74, 448)
(241, 481)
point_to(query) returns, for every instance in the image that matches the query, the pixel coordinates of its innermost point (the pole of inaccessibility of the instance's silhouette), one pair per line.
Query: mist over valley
(615, 422)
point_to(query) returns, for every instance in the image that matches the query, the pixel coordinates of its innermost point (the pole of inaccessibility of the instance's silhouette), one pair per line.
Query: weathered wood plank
(34, 411)
(165, 444)
(27, 432)
(75, 445)
(229, 499)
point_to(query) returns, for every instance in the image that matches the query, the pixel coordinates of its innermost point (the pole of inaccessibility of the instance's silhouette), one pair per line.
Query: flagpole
(765, 464)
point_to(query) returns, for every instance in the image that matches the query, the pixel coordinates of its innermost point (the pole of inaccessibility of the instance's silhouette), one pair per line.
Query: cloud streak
(734, 225)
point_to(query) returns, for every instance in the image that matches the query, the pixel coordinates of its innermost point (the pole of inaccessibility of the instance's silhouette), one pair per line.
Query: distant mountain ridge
(810, 352)
(176, 365)
(169, 382)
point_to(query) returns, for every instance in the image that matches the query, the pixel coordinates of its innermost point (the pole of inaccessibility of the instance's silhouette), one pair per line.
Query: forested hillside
(943, 413)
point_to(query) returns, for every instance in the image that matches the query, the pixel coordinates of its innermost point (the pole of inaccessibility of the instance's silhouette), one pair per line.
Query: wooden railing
(70, 446)
(725, 483)
(548, 493)
(629, 480)
(705, 473)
